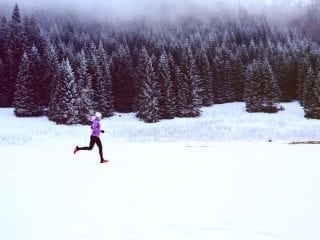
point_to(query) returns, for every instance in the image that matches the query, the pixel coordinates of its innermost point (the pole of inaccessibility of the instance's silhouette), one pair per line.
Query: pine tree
(302, 72)
(166, 98)
(286, 76)
(229, 82)
(123, 80)
(49, 65)
(15, 51)
(27, 94)
(205, 78)
(64, 101)
(271, 88)
(253, 93)
(24, 94)
(32, 35)
(238, 73)
(218, 83)
(191, 81)
(3, 84)
(52, 67)
(173, 78)
(182, 94)
(195, 63)
(308, 85)
(292, 83)
(148, 108)
(36, 74)
(140, 76)
(3, 61)
(103, 91)
(34, 38)
(3, 38)
(95, 73)
(85, 94)
(252, 50)
(262, 93)
(312, 98)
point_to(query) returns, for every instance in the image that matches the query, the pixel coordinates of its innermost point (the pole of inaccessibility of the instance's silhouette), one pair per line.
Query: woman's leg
(91, 144)
(98, 142)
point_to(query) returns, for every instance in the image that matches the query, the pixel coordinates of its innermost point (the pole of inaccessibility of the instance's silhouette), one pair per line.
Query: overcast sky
(129, 8)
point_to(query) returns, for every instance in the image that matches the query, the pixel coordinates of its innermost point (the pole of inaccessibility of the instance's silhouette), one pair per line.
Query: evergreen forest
(67, 67)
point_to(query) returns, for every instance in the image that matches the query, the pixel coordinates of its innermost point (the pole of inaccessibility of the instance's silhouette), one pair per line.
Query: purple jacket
(95, 126)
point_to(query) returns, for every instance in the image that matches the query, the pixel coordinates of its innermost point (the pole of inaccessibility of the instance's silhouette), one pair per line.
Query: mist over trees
(68, 67)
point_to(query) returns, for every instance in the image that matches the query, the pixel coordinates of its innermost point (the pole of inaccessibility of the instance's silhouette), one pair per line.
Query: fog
(150, 8)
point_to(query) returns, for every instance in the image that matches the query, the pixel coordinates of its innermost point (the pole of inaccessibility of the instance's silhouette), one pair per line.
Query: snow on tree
(166, 98)
(52, 66)
(182, 91)
(32, 35)
(23, 94)
(99, 71)
(311, 94)
(28, 86)
(312, 98)
(140, 76)
(3, 37)
(195, 63)
(229, 82)
(3, 61)
(238, 73)
(205, 78)
(301, 77)
(271, 88)
(64, 108)
(148, 102)
(253, 91)
(95, 73)
(49, 65)
(174, 79)
(218, 81)
(307, 88)
(262, 92)
(103, 92)
(85, 94)
(36, 74)
(15, 51)
(190, 84)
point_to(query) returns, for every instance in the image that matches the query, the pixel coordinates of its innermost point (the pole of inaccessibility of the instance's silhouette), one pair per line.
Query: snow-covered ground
(213, 177)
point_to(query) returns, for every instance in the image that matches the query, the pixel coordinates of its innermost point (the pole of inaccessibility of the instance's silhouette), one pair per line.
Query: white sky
(129, 8)
(123, 4)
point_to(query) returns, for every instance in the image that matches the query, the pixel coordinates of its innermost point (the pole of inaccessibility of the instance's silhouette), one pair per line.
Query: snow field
(224, 122)
(157, 186)
(181, 192)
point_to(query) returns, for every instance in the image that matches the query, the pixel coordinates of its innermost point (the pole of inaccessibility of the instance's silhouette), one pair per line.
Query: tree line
(67, 68)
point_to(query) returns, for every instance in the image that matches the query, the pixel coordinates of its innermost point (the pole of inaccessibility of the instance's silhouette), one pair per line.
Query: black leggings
(93, 140)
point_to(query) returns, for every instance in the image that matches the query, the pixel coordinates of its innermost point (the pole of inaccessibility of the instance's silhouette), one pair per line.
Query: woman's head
(98, 115)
